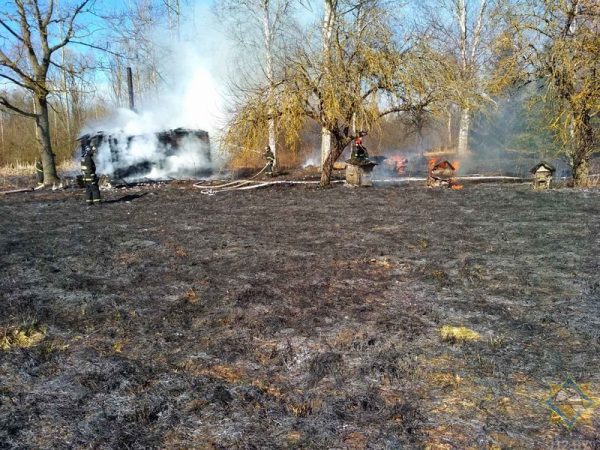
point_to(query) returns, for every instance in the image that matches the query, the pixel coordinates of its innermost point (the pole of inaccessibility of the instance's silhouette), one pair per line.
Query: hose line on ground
(233, 185)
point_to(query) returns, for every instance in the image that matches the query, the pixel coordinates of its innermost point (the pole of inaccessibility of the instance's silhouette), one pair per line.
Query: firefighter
(270, 157)
(359, 151)
(39, 173)
(88, 168)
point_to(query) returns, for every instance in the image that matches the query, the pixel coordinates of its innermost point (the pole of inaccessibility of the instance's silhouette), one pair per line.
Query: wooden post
(130, 89)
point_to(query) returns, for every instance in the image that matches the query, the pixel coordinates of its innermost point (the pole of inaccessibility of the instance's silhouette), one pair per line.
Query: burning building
(176, 153)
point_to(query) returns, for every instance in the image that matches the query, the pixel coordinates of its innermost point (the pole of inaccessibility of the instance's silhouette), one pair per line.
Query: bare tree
(334, 13)
(173, 8)
(32, 33)
(464, 30)
(330, 21)
(132, 33)
(266, 20)
(18, 132)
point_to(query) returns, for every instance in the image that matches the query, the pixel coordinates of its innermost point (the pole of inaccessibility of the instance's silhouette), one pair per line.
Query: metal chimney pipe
(130, 89)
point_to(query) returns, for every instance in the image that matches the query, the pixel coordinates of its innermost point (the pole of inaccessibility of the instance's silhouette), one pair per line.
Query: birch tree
(335, 11)
(464, 30)
(268, 19)
(330, 18)
(173, 8)
(32, 34)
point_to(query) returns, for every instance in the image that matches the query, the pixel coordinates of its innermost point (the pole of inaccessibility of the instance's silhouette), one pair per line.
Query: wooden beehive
(441, 175)
(542, 175)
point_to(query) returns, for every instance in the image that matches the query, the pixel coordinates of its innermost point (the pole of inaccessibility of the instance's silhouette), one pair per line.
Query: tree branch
(96, 47)
(13, 80)
(4, 102)
(69, 35)
(5, 61)
(10, 30)
(27, 41)
(48, 17)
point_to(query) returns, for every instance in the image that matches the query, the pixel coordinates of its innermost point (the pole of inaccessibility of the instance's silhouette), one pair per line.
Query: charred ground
(297, 317)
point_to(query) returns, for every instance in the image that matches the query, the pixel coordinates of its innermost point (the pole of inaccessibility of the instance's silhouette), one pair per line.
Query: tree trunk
(273, 143)
(583, 146)
(420, 140)
(327, 32)
(449, 125)
(337, 149)
(43, 127)
(325, 146)
(2, 131)
(463, 134)
(581, 171)
(270, 69)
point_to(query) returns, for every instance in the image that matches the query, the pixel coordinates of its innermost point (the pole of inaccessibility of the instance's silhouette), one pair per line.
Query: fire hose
(16, 191)
(252, 185)
(210, 189)
(244, 185)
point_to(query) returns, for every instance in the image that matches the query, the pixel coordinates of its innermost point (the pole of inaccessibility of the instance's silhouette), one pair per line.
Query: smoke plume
(191, 97)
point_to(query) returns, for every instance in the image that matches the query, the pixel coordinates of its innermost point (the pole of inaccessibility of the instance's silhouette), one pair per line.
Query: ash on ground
(298, 317)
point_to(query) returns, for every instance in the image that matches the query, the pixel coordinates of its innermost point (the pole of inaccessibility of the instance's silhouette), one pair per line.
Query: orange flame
(456, 187)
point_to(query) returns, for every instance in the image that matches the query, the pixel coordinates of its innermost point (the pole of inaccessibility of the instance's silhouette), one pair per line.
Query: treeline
(63, 64)
(422, 63)
(314, 73)
(19, 140)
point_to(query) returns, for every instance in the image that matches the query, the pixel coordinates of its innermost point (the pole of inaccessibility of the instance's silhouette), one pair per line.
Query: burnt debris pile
(171, 154)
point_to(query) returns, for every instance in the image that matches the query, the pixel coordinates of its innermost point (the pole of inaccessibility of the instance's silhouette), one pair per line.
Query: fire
(440, 166)
(442, 174)
(456, 165)
(398, 163)
(431, 163)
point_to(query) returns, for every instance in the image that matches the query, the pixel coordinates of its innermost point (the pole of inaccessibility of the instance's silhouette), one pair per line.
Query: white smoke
(312, 161)
(192, 97)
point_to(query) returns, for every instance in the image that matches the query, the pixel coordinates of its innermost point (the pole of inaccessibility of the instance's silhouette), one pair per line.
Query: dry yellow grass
(356, 441)
(222, 372)
(118, 346)
(19, 338)
(19, 168)
(458, 334)
(294, 437)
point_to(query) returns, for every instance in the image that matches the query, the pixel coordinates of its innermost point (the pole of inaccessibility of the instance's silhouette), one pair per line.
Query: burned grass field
(297, 317)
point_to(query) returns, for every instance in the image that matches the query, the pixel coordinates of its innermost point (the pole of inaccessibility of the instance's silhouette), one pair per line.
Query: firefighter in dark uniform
(270, 157)
(359, 151)
(88, 168)
(39, 173)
